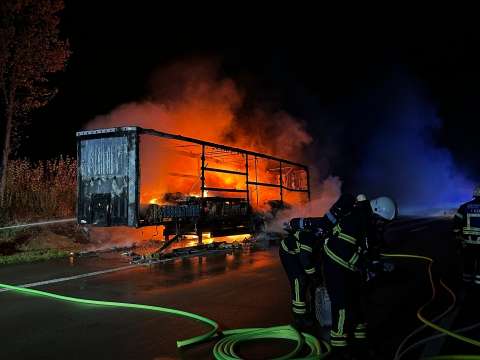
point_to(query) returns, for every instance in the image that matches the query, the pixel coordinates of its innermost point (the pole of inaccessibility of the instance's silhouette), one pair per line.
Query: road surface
(239, 289)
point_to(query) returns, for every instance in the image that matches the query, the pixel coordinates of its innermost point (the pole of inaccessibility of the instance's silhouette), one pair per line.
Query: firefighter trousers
(347, 298)
(471, 263)
(299, 285)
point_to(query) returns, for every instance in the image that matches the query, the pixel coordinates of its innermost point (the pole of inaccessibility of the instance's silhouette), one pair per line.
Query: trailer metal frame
(93, 170)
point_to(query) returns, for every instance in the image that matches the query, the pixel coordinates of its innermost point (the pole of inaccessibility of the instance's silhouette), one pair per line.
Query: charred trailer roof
(109, 175)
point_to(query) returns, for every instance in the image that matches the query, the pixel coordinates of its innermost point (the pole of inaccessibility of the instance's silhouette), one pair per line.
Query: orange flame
(189, 100)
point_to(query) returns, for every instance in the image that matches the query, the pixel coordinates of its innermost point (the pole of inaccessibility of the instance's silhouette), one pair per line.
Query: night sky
(342, 77)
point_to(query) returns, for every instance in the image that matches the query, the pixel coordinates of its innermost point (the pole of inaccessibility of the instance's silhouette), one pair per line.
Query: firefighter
(297, 254)
(323, 225)
(346, 252)
(300, 256)
(301, 265)
(467, 230)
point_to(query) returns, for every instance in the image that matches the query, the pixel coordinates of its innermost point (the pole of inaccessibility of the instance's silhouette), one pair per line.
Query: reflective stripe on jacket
(467, 222)
(349, 262)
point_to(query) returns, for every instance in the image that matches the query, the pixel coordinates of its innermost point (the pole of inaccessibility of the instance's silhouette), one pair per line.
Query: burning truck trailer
(136, 177)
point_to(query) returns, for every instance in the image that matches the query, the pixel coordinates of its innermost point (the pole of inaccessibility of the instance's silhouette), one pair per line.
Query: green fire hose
(224, 349)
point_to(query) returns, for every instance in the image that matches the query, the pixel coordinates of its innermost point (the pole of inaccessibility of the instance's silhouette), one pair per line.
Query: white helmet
(476, 192)
(384, 207)
(361, 197)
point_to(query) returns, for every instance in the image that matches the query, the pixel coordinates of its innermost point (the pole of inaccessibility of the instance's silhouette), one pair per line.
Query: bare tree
(30, 49)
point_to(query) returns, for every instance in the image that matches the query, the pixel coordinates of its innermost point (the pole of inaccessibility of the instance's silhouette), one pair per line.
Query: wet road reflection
(204, 267)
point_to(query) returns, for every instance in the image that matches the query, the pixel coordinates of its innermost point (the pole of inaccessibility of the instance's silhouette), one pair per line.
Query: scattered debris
(197, 250)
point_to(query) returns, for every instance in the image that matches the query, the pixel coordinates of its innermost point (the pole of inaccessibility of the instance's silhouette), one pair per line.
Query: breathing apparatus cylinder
(307, 223)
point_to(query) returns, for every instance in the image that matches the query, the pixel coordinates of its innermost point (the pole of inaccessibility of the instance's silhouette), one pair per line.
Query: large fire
(172, 169)
(191, 101)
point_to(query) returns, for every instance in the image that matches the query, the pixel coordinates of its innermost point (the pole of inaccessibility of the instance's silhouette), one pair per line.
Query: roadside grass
(8, 235)
(36, 191)
(39, 190)
(33, 256)
(37, 244)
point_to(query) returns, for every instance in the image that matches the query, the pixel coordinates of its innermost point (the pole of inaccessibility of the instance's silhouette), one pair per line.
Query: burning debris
(182, 252)
(242, 242)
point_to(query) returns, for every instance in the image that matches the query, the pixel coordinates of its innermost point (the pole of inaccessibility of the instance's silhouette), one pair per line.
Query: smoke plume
(193, 100)
(401, 158)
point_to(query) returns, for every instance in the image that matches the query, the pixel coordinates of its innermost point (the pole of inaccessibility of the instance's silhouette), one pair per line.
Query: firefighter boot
(343, 353)
(362, 351)
(303, 323)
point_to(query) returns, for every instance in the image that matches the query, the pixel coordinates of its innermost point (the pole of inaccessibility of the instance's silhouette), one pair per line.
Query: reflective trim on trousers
(471, 242)
(472, 228)
(338, 343)
(334, 334)
(341, 322)
(360, 331)
(297, 290)
(299, 303)
(299, 311)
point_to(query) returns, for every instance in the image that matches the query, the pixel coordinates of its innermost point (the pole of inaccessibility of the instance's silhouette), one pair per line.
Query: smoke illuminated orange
(172, 169)
(190, 100)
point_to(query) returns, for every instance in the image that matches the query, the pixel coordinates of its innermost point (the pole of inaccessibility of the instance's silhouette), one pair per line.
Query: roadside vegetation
(31, 256)
(37, 191)
(31, 51)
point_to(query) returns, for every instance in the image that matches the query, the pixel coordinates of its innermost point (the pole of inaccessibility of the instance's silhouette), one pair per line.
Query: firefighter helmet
(476, 192)
(361, 197)
(384, 207)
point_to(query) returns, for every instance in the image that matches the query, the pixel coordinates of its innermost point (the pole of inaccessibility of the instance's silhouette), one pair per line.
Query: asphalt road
(238, 289)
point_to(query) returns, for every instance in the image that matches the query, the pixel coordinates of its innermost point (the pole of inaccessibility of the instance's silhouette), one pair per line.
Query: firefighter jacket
(467, 222)
(352, 238)
(302, 244)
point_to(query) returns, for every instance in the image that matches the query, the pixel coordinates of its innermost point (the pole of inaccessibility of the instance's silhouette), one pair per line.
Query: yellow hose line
(419, 312)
